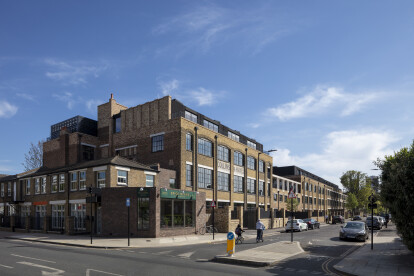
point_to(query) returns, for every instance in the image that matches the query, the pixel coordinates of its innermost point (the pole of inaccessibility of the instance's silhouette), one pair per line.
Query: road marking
(33, 258)
(56, 271)
(162, 252)
(186, 255)
(6, 266)
(88, 271)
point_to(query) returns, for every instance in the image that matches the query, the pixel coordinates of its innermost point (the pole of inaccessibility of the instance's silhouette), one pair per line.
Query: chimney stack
(112, 96)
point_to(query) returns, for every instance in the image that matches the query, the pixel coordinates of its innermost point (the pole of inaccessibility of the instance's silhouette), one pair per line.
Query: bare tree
(34, 158)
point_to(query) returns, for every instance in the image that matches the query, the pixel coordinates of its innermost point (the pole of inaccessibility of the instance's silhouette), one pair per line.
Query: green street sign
(143, 192)
(176, 194)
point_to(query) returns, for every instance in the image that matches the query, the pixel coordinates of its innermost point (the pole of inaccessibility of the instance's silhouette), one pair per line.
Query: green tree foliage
(34, 158)
(397, 189)
(358, 184)
(352, 202)
(289, 204)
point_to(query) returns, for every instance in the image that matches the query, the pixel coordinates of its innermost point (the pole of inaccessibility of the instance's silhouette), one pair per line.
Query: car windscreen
(351, 225)
(306, 220)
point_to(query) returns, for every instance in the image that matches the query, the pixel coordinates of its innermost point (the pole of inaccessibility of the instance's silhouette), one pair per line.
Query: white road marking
(33, 258)
(162, 252)
(6, 266)
(88, 272)
(186, 255)
(55, 270)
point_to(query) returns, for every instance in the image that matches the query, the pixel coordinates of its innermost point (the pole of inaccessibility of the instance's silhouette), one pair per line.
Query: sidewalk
(389, 257)
(263, 255)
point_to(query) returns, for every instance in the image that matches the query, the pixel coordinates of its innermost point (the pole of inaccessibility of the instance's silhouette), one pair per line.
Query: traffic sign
(213, 204)
(291, 194)
(230, 235)
(128, 202)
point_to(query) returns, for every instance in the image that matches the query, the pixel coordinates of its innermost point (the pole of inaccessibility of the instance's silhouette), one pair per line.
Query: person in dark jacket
(239, 231)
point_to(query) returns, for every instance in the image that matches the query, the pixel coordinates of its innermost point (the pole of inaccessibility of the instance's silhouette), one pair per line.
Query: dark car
(338, 219)
(357, 218)
(312, 223)
(357, 230)
(376, 223)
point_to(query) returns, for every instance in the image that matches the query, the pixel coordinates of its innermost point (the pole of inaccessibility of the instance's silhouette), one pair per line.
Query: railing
(36, 223)
(79, 223)
(301, 215)
(265, 214)
(56, 223)
(322, 213)
(314, 213)
(278, 213)
(19, 222)
(5, 221)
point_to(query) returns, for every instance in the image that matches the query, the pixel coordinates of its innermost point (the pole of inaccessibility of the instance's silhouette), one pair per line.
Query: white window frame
(61, 182)
(9, 189)
(122, 183)
(82, 182)
(37, 186)
(148, 181)
(98, 183)
(54, 184)
(27, 182)
(43, 185)
(2, 189)
(73, 182)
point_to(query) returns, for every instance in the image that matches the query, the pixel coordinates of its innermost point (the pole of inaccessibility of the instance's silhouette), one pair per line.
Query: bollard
(231, 244)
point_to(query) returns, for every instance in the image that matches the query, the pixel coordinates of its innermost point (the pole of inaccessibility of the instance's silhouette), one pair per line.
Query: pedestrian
(259, 228)
(239, 231)
(326, 219)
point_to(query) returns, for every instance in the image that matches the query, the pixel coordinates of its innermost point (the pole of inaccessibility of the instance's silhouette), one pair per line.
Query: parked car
(357, 230)
(339, 219)
(382, 219)
(298, 225)
(312, 223)
(357, 218)
(376, 222)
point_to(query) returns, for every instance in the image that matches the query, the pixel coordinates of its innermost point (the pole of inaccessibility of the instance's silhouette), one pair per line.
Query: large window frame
(238, 182)
(172, 218)
(74, 181)
(61, 182)
(54, 184)
(210, 125)
(122, 178)
(27, 181)
(101, 179)
(261, 188)
(223, 181)
(223, 153)
(261, 166)
(251, 144)
(251, 186)
(157, 143)
(149, 180)
(238, 158)
(189, 141)
(205, 147)
(189, 175)
(37, 186)
(82, 180)
(190, 116)
(251, 162)
(43, 185)
(233, 136)
(205, 178)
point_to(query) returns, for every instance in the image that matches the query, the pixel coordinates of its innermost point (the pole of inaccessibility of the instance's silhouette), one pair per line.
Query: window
(149, 180)
(122, 178)
(172, 183)
(299, 188)
(205, 147)
(251, 186)
(281, 198)
(2, 189)
(82, 180)
(268, 189)
(286, 187)
(261, 188)
(314, 200)
(223, 153)
(205, 178)
(298, 198)
(78, 211)
(190, 116)
(280, 184)
(251, 163)
(27, 186)
(233, 136)
(189, 175)
(210, 125)
(177, 213)
(100, 177)
(274, 183)
(223, 181)
(251, 144)
(58, 216)
(117, 124)
(157, 143)
(37, 186)
(285, 198)
(73, 181)
(43, 179)
(189, 141)
(87, 153)
(238, 184)
(61, 182)
(261, 166)
(54, 184)
(143, 213)
(238, 158)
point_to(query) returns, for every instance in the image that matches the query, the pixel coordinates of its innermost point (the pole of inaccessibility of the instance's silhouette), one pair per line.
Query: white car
(298, 225)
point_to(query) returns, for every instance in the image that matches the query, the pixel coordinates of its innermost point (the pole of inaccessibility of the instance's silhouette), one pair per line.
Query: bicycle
(207, 229)
(240, 239)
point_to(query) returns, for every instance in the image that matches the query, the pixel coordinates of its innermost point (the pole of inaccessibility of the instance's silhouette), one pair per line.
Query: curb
(226, 260)
(70, 244)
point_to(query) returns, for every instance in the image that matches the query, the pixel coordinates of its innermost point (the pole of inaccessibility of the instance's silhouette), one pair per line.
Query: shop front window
(143, 214)
(177, 213)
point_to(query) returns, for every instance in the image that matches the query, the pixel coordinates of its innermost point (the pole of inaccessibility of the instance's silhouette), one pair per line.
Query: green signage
(175, 194)
(143, 192)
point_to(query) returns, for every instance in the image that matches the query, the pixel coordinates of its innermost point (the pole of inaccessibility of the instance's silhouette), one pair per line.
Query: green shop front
(154, 212)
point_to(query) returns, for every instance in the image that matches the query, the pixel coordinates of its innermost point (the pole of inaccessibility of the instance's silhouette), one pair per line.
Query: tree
(363, 196)
(289, 204)
(351, 202)
(34, 158)
(397, 188)
(358, 184)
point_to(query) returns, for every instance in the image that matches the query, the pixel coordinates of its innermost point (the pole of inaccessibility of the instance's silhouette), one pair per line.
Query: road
(323, 249)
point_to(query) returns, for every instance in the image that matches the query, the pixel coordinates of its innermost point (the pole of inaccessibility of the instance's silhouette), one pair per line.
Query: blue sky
(327, 83)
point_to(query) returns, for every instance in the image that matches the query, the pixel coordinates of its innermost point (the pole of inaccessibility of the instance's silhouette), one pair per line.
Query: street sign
(373, 205)
(213, 204)
(128, 202)
(291, 194)
(231, 243)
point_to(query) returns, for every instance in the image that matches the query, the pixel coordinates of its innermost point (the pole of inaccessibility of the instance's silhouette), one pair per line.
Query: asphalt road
(323, 249)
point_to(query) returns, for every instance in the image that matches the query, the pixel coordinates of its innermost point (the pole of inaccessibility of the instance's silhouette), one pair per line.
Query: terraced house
(171, 161)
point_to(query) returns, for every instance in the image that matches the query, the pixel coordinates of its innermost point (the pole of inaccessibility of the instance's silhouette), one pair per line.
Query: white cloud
(26, 96)
(169, 87)
(204, 26)
(75, 73)
(203, 96)
(7, 110)
(92, 105)
(342, 151)
(67, 98)
(322, 100)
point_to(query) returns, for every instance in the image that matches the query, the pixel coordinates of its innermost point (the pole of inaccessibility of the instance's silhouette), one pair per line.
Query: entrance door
(249, 219)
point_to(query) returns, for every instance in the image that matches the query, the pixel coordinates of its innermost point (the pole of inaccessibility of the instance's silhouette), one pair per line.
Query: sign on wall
(175, 194)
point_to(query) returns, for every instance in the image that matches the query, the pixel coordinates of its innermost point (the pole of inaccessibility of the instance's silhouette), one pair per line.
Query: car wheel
(306, 228)
(300, 229)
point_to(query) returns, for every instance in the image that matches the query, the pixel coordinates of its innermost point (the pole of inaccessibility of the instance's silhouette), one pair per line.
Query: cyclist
(239, 231)
(259, 227)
